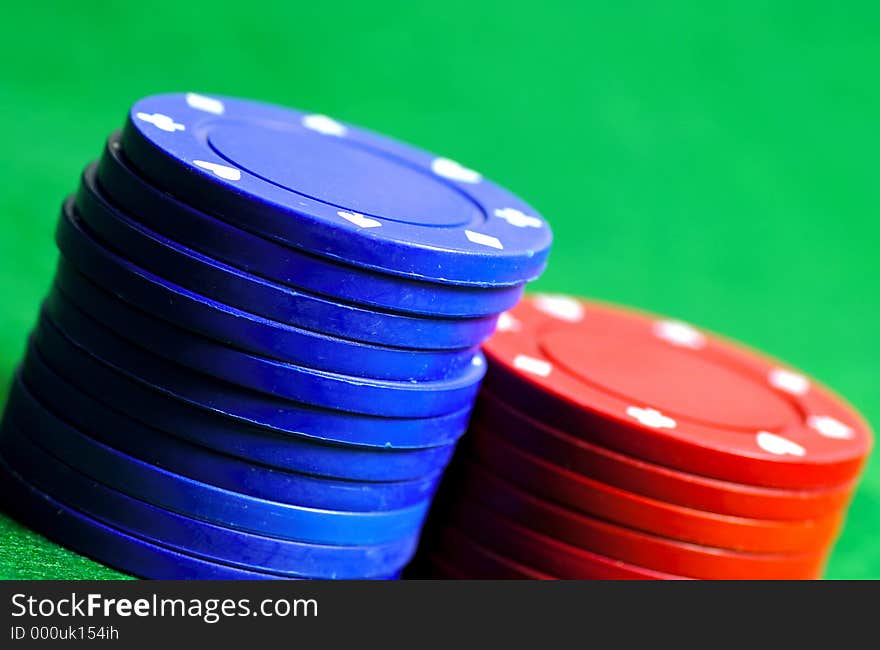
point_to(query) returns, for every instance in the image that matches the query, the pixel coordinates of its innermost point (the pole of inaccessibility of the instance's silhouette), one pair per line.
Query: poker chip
(642, 549)
(612, 444)
(260, 374)
(339, 191)
(545, 553)
(604, 374)
(632, 474)
(194, 461)
(606, 502)
(261, 345)
(178, 221)
(111, 545)
(148, 293)
(230, 286)
(282, 450)
(200, 500)
(194, 537)
(242, 407)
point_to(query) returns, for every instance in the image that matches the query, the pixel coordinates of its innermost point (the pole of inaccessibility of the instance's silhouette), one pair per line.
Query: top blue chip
(335, 190)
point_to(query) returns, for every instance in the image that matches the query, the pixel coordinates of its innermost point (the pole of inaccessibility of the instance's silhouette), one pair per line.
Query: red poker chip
(506, 536)
(663, 391)
(652, 480)
(480, 563)
(632, 546)
(600, 500)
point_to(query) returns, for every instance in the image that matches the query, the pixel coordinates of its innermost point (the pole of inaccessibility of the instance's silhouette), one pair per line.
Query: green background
(716, 164)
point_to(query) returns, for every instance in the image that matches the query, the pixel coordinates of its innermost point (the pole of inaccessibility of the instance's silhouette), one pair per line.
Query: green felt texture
(711, 161)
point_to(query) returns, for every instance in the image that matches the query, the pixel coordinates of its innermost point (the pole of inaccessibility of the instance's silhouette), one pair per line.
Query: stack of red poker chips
(612, 444)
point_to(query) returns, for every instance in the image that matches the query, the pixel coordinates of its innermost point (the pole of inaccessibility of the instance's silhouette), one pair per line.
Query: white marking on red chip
(788, 381)
(830, 427)
(773, 444)
(561, 307)
(507, 323)
(651, 417)
(680, 334)
(532, 365)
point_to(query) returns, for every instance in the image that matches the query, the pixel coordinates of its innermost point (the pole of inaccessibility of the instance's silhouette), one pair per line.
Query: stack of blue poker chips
(261, 345)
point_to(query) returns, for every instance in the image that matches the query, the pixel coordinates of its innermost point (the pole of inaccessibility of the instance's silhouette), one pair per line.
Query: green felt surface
(710, 161)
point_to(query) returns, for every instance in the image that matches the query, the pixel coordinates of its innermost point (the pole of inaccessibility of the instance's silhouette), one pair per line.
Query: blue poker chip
(110, 546)
(292, 452)
(163, 213)
(193, 537)
(152, 446)
(105, 544)
(192, 270)
(335, 190)
(231, 326)
(199, 500)
(298, 383)
(240, 406)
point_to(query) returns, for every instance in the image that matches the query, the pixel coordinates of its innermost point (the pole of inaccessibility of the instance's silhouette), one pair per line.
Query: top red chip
(664, 391)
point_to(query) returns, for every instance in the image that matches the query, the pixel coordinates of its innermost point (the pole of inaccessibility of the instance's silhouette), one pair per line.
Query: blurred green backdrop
(715, 164)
